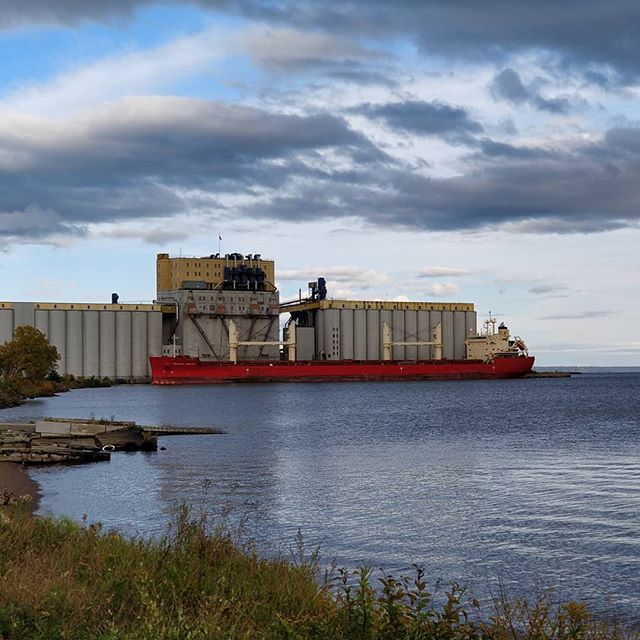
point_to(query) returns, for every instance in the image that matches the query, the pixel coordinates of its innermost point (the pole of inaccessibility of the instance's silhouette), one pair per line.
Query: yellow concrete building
(171, 273)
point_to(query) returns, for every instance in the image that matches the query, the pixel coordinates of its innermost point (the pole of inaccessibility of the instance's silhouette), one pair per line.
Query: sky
(484, 152)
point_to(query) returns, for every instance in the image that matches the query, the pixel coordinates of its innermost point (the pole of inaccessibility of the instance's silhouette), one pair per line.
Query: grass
(60, 579)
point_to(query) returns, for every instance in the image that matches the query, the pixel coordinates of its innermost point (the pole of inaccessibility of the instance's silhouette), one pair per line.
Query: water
(535, 483)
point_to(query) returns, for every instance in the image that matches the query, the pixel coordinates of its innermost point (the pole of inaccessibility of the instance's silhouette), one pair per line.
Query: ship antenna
(491, 321)
(487, 323)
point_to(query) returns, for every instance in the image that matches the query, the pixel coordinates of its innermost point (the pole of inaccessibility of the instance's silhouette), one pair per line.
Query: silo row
(105, 343)
(357, 333)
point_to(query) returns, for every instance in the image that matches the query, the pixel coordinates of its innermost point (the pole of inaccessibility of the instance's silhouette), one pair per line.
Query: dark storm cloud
(357, 74)
(33, 223)
(163, 156)
(20, 12)
(495, 149)
(584, 189)
(291, 51)
(425, 118)
(508, 86)
(154, 157)
(596, 38)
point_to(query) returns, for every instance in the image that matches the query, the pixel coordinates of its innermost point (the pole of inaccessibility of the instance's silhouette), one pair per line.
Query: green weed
(60, 579)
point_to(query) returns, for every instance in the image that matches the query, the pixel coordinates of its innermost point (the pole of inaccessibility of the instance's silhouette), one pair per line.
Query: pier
(73, 441)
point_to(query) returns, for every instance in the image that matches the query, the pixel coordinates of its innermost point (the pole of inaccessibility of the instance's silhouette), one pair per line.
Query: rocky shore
(69, 441)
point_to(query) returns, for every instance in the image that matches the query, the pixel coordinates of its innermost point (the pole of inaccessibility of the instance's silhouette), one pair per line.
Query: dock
(73, 441)
(179, 431)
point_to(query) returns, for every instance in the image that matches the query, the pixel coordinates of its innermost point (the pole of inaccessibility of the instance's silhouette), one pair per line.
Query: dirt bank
(15, 479)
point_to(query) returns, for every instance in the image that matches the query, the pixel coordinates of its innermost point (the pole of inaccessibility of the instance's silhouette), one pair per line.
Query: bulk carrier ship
(221, 326)
(188, 370)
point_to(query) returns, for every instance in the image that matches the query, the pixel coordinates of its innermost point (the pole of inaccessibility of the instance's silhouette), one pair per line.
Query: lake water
(532, 482)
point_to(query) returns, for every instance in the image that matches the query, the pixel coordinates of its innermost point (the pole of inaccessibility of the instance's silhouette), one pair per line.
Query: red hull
(185, 370)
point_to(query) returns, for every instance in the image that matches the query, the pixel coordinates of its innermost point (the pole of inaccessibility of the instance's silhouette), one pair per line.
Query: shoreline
(15, 479)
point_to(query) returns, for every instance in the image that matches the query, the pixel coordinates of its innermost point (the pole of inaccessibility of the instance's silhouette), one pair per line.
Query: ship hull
(186, 370)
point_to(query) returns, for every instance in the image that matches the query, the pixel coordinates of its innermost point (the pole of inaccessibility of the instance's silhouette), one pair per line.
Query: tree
(29, 356)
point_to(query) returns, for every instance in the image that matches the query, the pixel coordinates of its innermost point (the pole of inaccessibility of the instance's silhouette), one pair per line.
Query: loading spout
(234, 341)
(388, 342)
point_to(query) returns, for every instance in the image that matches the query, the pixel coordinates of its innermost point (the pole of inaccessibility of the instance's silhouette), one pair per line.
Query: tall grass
(59, 579)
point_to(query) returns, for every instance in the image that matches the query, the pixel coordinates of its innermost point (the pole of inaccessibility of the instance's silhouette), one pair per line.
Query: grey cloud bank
(290, 50)
(507, 85)
(133, 158)
(588, 188)
(425, 118)
(597, 38)
(160, 156)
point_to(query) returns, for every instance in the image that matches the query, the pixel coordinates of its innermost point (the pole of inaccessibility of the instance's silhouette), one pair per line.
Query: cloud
(154, 235)
(555, 225)
(351, 275)
(130, 73)
(351, 281)
(358, 74)
(583, 187)
(292, 50)
(156, 156)
(152, 157)
(622, 348)
(438, 272)
(14, 13)
(508, 86)
(541, 289)
(442, 290)
(425, 118)
(34, 224)
(596, 41)
(157, 69)
(583, 315)
(496, 149)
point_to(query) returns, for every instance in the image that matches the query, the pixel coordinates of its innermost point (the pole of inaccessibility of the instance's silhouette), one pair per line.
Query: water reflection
(533, 482)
